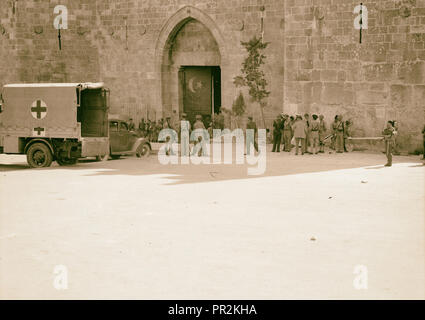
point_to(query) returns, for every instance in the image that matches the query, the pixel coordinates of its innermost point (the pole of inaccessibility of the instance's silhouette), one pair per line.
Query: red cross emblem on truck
(39, 109)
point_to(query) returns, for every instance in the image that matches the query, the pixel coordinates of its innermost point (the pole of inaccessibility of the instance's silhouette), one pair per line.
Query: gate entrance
(201, 92)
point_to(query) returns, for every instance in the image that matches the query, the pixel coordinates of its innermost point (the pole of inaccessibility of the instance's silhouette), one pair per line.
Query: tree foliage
(252, 75)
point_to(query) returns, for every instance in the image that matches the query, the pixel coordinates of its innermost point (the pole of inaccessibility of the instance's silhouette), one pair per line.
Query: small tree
(252, 75)
(238, 107)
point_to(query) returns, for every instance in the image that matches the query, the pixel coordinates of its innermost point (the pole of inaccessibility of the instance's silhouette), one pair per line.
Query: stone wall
(329, 71)
(315, 62)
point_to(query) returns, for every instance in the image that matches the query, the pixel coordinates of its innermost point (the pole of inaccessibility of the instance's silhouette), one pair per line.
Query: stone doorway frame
(168, 33)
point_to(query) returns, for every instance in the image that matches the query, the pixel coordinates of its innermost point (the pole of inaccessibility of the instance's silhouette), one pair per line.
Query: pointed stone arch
(168, 33)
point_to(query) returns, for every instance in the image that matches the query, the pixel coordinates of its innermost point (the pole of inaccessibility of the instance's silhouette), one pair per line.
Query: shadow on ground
(277, 165)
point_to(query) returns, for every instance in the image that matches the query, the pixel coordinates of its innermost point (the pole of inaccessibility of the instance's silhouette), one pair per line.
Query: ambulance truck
(54, 122)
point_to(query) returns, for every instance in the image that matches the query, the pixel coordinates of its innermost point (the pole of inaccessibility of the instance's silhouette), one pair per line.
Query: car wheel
(143, 150)
(115, 157)
(39, 156)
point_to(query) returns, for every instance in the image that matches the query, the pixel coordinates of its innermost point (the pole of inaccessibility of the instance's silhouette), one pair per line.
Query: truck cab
(54, 122)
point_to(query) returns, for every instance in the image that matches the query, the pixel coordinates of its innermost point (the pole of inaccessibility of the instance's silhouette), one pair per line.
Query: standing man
(396, 143)
(300, 133)
(348, 146)
(142, 127)
(322, 133)
(198, 125)
(131, 125)
(333, 139)
(314, 134)
(307, 137)
(277, 134)
(389, 138)
(167, 123)
(423, 133)
(251, 125)
(339, 135)
(287, 133)
(184, 134)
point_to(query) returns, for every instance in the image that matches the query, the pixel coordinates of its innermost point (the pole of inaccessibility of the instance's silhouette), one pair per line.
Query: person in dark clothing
(251, 125)
(389, 138)
(277, 134)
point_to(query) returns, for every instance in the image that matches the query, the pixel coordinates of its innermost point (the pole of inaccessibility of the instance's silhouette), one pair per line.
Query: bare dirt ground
(135, 229)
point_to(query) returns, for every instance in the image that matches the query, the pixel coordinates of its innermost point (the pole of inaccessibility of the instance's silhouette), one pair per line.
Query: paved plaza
(133, 228)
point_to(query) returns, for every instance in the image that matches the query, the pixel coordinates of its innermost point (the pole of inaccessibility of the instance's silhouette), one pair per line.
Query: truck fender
(139, 142)
(46, 142)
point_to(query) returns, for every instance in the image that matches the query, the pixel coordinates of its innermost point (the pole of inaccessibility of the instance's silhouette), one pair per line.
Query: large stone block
(412, 72)
(333, 93)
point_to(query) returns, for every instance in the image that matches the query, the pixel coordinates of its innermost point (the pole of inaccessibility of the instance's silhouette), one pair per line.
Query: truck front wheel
(39, 156)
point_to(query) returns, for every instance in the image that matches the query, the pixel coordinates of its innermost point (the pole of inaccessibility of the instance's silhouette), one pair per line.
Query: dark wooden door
(197, 92)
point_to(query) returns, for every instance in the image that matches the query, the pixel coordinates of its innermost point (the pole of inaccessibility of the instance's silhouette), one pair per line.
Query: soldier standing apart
(251, 125)
(423, 133)
(184, 133)
(340, 135)
(314, 135)
(307, 138)
(322, 133)
(300, 133)
(389, 138)
(277, 134)
(347, 134)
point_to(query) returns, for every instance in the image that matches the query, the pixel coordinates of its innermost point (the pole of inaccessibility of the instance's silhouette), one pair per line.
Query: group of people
(151, 129)
(308, 134)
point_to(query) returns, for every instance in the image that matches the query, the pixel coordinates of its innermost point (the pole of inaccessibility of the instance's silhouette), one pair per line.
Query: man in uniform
(142, 127)
(184, 134)
(307, 137)
(277, 134)
(347, 134)
(314, 135)
(339, 135)
(389, 138)
(423, 133)
(287, 133)
(199, 125)
(322, 133)
(396, 142)
(300, 133)
(333, 139)
(167, 123)
(131, 125)
(251, 125)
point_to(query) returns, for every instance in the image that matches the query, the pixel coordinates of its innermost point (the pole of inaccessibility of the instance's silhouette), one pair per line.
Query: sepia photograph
(212, 150)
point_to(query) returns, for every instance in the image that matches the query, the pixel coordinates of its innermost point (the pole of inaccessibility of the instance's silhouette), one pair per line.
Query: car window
(123, 126)
(113, 126)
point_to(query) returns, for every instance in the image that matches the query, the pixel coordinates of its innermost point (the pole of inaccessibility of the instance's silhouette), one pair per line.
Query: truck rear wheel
(39, 156)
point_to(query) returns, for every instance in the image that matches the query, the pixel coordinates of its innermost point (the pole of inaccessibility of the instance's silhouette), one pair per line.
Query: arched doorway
(190, 55)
